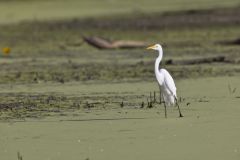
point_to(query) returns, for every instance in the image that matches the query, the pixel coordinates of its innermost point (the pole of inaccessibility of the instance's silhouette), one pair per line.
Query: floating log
(103, 43)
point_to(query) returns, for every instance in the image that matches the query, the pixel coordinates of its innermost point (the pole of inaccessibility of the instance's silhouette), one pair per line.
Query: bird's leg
(165, 108)
(180, 114)
(161, 101)
(160, 96)
(164, 103)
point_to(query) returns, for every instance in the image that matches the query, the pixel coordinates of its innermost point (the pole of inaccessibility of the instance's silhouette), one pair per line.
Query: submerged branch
(198, 61)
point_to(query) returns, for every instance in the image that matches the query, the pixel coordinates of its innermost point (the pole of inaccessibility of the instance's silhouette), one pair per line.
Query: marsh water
(209, 129)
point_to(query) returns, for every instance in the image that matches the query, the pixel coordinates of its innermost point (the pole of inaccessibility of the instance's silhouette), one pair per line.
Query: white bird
(165, 81)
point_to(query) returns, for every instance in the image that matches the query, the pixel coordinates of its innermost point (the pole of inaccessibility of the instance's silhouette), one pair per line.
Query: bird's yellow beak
(151, 47)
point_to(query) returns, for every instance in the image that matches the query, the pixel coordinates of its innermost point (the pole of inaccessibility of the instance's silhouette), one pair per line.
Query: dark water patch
(231, 42)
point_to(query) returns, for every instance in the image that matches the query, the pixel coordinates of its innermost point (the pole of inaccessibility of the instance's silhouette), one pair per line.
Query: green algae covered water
(210, 129)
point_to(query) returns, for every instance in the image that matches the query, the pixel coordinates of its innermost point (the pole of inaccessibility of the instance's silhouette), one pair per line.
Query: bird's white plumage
(168, 88)
(168, 81)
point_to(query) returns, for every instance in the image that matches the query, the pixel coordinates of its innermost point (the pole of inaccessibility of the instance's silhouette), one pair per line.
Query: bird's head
(155, 47)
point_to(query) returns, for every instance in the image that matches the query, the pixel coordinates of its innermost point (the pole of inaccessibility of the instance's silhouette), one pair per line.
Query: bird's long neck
(158, 60)
(157, 71)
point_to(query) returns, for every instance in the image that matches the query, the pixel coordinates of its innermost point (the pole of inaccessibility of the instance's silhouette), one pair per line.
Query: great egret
(165, 81)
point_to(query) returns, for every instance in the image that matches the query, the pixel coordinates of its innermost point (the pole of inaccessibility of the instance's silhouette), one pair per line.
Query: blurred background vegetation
(46, 42)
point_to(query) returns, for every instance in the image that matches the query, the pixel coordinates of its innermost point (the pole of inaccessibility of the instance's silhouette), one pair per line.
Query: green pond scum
(66, 121)
(63, 99)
